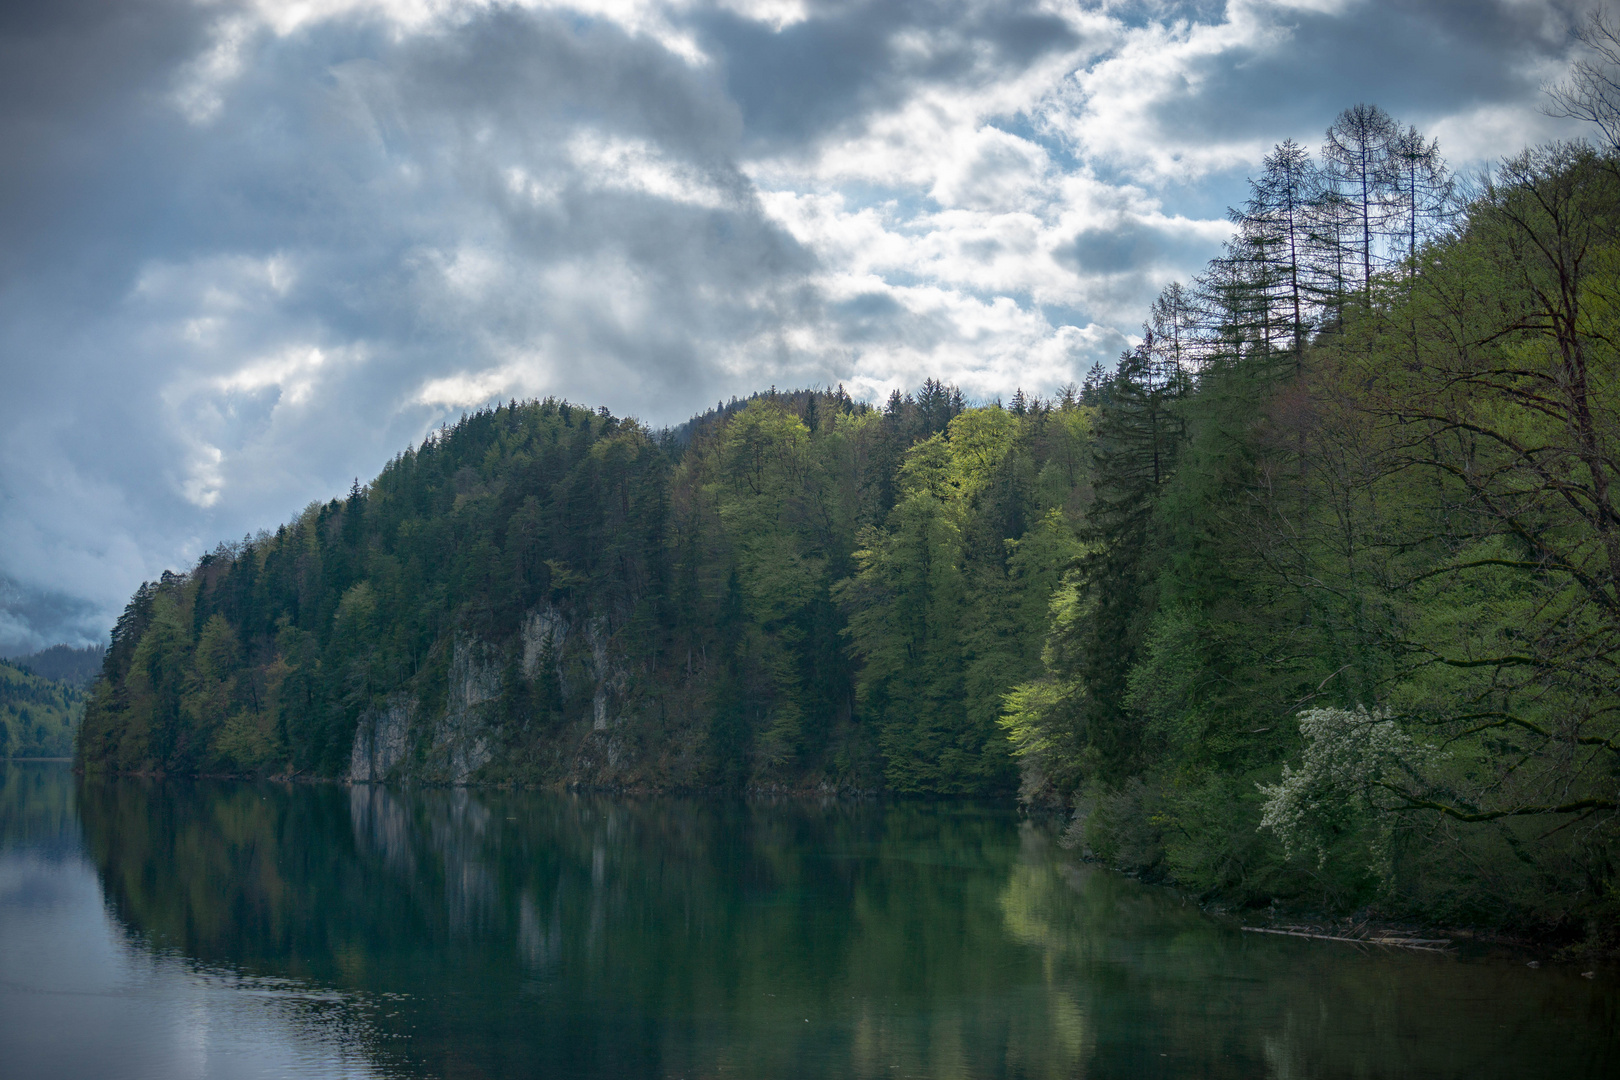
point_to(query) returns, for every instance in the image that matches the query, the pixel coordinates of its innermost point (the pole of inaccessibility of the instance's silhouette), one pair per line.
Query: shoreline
(629, 790)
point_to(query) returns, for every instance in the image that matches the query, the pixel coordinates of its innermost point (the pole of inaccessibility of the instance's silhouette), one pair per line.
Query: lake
(201, 929)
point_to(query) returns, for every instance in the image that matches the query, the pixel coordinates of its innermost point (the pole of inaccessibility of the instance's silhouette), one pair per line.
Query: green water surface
(174, 929)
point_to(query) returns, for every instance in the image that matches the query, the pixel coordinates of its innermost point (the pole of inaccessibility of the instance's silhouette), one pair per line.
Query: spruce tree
(1138, 438)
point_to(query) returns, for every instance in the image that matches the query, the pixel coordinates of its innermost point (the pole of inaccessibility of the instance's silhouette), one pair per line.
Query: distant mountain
(64, 663)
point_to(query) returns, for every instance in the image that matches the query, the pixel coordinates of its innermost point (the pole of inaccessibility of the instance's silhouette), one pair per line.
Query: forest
(1315, 598)
(39, 714)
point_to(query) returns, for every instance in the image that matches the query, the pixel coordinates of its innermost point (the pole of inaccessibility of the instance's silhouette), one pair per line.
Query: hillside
(38, 717)
(1317, 597)
(546, 593)
(64, 663)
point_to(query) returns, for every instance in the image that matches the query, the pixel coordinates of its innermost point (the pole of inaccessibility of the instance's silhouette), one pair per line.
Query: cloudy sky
(249, 249)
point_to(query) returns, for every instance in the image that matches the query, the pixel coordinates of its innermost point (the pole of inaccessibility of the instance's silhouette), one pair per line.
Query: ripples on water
(185, 929)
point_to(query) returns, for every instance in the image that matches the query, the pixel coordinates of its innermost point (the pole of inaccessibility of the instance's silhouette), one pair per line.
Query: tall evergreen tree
(1275, 231)
(1138, 439)
(1423, 188)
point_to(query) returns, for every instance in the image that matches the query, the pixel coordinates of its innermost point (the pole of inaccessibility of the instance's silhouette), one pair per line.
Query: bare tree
(1173, 323)
(1330, 220)
(1424, 188)
(1591, 91)
(1357, 158)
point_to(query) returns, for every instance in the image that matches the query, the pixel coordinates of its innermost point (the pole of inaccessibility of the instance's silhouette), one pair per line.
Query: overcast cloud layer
(250, 250)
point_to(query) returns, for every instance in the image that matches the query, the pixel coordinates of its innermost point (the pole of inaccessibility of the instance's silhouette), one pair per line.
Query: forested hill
(1316, 596)
(38, 715)
(811, 593)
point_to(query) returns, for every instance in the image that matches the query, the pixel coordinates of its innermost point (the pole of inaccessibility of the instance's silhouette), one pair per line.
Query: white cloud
(637, 165)
(203, 476)
(293, 372)
(200, 87)
(1112, 109)
(465, 389)
(1488, 133)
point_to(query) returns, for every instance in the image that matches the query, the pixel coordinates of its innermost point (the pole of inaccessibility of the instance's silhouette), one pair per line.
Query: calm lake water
(235, 930)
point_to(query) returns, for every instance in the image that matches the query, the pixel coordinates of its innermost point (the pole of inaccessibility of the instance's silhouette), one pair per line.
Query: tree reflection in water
(569, 935)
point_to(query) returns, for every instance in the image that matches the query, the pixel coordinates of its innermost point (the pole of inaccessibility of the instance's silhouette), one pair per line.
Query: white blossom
(1347, 753)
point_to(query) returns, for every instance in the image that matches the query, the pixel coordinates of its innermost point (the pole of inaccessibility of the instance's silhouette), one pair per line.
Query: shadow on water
(532, 934)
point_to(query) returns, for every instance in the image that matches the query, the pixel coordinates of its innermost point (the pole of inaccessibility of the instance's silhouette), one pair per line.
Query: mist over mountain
(63, 663)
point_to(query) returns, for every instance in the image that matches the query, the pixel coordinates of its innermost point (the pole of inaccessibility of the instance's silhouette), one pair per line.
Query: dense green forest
(1316, 596)
(38, 716)
(800, 591)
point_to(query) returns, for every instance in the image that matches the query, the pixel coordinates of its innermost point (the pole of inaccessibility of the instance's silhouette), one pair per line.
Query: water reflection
(450, 933)
(1171, 993)
(80, 998)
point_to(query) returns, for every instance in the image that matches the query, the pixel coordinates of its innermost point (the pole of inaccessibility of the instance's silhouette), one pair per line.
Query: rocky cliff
(456, 741)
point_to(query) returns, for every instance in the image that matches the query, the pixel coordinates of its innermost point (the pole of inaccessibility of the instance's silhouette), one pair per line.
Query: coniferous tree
(1138, 438)
(1358, 163)
(1423, 189)
(1275, 230)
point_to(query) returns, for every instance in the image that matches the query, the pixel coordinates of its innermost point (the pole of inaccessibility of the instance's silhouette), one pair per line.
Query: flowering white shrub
(1347, 753)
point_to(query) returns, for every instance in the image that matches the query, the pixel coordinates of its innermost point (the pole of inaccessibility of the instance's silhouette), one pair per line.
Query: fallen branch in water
(1425, 944)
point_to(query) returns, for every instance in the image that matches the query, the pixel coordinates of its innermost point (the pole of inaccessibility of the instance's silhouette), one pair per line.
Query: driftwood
(1396, 941)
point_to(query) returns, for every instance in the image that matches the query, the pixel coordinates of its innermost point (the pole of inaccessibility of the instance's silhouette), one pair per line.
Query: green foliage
(1347, 622)
(675, 610)
(947, 606)
(38, 716)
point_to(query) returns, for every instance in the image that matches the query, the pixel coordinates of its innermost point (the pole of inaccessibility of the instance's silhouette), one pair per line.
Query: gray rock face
(609, 679)
(381, 741)
(546, 631)
(459, 742)
(399, 742)
(462, 736)
(545, 627)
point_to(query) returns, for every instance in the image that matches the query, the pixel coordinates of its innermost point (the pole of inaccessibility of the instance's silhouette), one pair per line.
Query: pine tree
(1274, 227)
(1424, 190)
